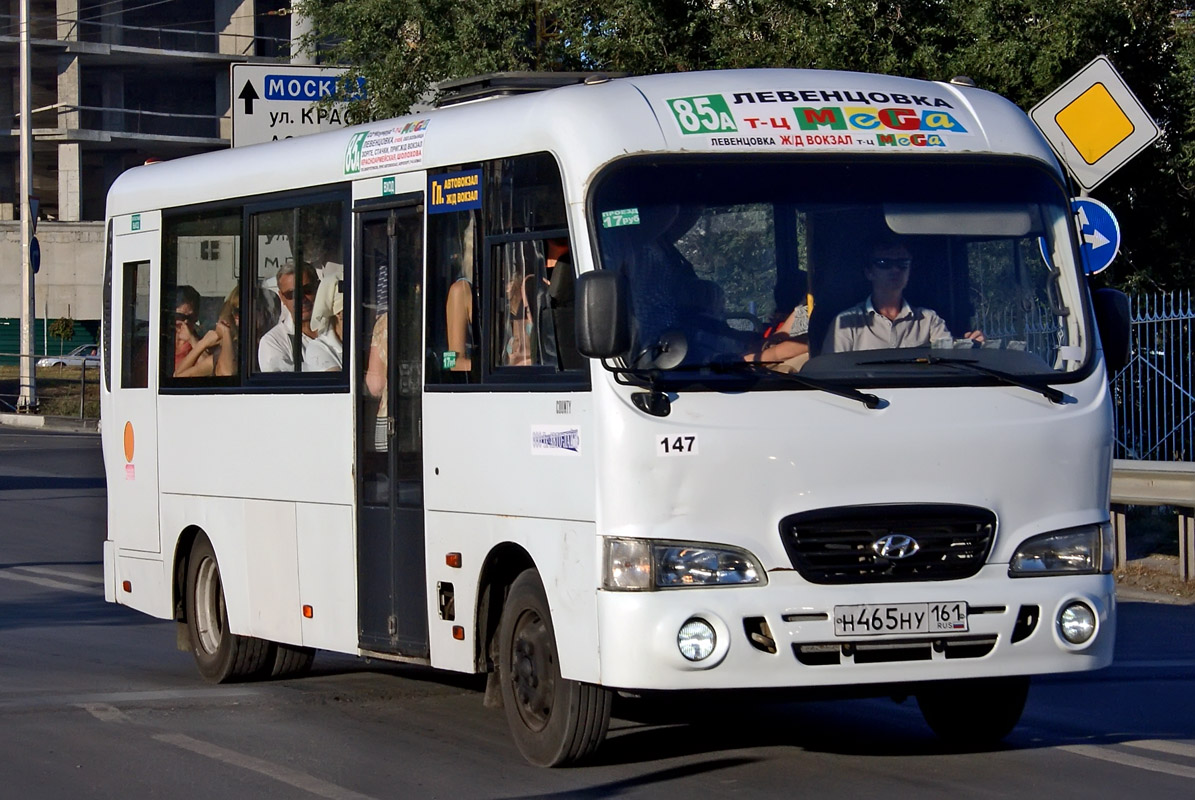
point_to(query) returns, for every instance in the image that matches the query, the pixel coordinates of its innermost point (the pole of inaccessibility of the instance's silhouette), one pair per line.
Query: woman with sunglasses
(885, 320)
(187, 351)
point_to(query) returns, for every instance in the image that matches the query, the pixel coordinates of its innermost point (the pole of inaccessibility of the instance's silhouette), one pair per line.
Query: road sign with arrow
(1099, 231)
(281, 101)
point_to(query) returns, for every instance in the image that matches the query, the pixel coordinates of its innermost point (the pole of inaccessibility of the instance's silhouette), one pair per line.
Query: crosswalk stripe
(1185, 749)
(48, 583)
(62, 573)
(291, 777)
(1104, 753)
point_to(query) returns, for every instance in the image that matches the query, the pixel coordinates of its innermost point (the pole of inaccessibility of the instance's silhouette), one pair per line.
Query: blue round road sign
(35, 254)
(1099, 234)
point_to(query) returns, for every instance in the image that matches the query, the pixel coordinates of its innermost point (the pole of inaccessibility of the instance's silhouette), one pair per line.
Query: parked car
(86, 354)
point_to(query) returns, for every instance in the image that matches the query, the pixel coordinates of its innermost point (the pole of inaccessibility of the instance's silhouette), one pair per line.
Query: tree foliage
(1022, 49)
(62, 329)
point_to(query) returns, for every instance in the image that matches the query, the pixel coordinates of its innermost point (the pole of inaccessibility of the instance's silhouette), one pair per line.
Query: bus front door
(392, 597)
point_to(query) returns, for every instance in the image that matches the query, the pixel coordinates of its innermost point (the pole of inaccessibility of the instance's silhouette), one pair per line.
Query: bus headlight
(639, 564)
(1080, 551)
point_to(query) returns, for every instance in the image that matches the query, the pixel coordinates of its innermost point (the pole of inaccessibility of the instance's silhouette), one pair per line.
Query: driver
(885, 320)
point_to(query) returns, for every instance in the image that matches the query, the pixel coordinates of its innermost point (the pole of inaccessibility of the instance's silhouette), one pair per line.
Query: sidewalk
(63, 424)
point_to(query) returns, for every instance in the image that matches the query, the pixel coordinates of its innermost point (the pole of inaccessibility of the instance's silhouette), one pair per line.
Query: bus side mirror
(603, 316)
(1113, 318)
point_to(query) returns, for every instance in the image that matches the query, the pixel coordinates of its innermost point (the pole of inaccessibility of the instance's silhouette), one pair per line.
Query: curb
(1128, 594)
(50, 423)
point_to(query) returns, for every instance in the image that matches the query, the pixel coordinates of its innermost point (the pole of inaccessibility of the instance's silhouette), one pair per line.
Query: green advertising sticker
(619, 218)
(449, 359)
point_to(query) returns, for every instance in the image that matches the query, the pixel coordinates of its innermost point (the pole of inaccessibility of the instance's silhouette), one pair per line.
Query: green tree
(62, 329)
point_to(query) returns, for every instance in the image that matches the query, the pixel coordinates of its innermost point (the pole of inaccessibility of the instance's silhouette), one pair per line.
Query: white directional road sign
(281, 101)
(1095, 123)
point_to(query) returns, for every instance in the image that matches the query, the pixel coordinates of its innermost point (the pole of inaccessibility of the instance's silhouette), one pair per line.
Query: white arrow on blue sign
(1099, 234)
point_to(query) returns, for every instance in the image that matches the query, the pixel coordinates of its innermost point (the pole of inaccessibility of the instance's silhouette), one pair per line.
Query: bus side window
(298, 263)
(452, 284)
(134, 315)
(201, 297)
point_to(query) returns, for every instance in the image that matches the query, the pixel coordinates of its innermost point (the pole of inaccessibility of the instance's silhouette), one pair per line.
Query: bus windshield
(860, 270)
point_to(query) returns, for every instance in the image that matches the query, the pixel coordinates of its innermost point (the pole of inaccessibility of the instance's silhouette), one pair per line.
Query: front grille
(836, 545)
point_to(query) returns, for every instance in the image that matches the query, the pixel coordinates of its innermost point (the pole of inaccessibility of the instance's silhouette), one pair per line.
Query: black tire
(291, 661)
(553, 721)
(221, 655)
(973, 713)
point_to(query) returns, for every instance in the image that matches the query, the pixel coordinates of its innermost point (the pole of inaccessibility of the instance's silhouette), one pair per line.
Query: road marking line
(62, 573)
(299, 780)
(1104, 753)
(48, 583)
(107, 698)
(1184, 662)
(104, 712)
(1165, 746)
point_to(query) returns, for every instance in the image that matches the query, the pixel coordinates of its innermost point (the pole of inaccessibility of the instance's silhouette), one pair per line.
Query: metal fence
(1154, 393)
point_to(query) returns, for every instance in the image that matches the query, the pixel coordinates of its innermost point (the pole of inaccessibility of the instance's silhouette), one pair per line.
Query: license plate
(900, 618)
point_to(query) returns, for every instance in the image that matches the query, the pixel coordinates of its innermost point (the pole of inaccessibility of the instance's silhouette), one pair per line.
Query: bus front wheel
(553, 720)
(220, 654)
(974, 713)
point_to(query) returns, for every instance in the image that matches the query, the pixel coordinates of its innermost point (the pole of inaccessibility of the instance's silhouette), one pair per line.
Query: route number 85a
(705, 114)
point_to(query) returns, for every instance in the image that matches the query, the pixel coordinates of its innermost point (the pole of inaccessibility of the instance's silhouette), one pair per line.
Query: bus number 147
(684, 445)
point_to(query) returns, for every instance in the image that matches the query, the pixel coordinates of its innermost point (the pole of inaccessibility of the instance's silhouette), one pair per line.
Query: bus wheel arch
(182, 555)
(503, 564)
(220, 654)
(553, 720)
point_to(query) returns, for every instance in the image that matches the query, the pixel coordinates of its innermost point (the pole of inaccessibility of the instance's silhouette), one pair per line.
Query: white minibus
(742, 380)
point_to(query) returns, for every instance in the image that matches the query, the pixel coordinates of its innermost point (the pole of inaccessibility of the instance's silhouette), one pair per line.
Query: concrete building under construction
(114, 83)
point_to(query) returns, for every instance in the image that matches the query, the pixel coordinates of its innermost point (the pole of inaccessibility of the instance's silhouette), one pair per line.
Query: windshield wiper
(756, 368)
(970, 365)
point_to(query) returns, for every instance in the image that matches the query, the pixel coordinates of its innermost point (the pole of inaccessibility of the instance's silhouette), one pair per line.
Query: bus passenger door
(131, 422)
(391, 582)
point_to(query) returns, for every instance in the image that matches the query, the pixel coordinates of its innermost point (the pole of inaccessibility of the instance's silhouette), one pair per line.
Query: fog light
(696, 639)
(1077, 623)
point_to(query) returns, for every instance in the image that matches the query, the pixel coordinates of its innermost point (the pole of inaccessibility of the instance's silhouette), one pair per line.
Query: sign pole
(27, 401)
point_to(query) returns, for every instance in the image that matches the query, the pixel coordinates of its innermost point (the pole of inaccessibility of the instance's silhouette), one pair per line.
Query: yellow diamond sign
(1095, 123)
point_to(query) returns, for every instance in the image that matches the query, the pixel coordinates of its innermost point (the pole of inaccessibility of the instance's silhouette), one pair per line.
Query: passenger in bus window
(885, 319)
(459, 313)
(216, 352)
(518, 349)
(376, 378)
(320, 351)
(554, 308)
(186, 326)
(785, 346)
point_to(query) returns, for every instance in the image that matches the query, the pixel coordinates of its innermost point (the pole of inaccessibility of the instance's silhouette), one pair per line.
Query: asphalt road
(96, 702)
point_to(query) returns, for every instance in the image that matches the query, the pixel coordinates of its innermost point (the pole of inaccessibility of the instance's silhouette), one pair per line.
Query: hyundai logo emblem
(895, 545)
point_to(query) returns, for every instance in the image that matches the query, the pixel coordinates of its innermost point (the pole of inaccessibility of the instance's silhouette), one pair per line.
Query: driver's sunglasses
(891, 263)
(181, 317)
(308, 291)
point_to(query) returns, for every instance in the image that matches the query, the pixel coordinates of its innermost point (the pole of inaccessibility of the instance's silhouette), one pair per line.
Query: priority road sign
(281, 101)
(1095, 123)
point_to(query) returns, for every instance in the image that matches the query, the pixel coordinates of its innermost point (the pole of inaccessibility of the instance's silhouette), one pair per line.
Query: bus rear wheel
(291, 661)
(974, 713)
(553, 720)
(220, 654)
